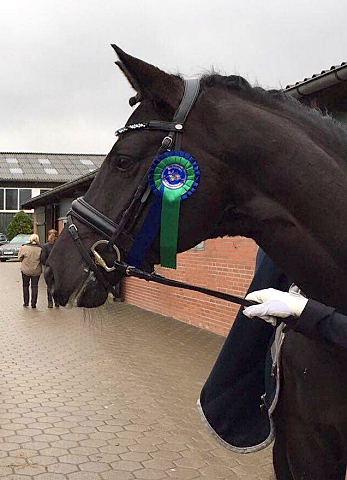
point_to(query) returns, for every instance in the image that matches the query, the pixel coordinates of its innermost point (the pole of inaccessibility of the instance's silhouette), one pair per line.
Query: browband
(191, 92)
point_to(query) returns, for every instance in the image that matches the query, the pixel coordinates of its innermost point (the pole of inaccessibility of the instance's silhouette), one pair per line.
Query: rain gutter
(319, 82)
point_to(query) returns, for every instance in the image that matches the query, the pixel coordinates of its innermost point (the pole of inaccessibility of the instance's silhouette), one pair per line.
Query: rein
(130, 271)
(119, 234)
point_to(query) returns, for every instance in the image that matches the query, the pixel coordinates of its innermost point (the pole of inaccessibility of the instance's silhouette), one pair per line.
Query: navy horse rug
(241, 392)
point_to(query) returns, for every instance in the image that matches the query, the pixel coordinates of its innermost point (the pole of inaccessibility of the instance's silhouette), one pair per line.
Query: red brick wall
(225, 264)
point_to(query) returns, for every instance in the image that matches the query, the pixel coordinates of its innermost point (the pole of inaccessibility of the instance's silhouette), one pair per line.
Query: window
(16, 170)
(11, 160)
(24, 195)
(11, 196)
(86, 162)
(51, 171)
(44, 161)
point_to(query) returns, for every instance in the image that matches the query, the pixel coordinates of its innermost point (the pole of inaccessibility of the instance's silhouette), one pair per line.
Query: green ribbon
(171, 208)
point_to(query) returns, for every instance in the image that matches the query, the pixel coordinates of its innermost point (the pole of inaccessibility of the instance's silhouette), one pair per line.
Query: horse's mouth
(90, 294)
(75, 298)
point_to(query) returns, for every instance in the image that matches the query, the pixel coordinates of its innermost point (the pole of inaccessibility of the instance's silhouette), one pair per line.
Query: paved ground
(103, 395)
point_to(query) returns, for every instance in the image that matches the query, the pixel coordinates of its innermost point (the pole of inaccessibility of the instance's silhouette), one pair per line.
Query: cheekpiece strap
(152, 220)
(191, 92)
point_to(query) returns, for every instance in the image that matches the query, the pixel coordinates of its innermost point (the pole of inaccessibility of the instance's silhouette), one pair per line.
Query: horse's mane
(333, 131)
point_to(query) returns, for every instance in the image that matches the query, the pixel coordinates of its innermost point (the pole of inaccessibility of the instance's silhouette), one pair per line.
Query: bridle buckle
(73, 231)
(166, 143)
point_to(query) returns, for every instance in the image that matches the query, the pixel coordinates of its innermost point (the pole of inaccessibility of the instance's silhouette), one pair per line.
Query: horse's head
(261, 158)
(159, 96)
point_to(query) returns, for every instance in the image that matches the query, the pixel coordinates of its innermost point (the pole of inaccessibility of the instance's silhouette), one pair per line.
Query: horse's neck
(296, 209)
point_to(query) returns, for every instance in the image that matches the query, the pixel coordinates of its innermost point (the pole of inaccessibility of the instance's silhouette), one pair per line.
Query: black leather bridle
(119, 235)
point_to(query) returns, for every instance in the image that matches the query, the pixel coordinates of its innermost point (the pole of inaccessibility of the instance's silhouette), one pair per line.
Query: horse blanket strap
(154, 277)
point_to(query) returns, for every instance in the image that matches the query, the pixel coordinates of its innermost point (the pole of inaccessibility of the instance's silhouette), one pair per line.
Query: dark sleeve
(322, 323)
(44, 255)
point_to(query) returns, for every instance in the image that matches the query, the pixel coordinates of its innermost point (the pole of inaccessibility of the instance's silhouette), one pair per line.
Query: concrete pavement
(106, 394)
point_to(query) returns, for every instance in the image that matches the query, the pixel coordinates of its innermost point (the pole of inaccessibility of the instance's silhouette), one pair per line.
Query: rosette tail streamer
(173, 177)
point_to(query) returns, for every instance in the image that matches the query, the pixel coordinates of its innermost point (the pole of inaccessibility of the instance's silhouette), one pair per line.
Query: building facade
(27, 175)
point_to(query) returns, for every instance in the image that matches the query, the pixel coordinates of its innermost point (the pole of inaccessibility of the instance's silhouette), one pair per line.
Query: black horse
(272, 170)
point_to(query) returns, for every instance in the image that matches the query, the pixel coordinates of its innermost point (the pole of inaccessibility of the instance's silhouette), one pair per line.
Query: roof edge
(319, 82)
(54, 153)
(64, 186)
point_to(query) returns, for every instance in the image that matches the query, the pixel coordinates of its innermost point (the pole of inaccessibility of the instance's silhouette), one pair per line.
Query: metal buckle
(98, 258)
(73, 231)
(166, 143)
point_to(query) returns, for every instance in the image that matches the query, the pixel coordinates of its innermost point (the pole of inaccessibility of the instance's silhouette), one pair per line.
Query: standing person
(29, 256)
(46, 250)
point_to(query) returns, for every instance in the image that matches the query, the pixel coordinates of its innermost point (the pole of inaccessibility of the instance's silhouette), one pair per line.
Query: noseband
(120, 235)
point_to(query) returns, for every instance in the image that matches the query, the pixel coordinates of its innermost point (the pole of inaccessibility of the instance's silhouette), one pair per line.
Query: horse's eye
(124, 163)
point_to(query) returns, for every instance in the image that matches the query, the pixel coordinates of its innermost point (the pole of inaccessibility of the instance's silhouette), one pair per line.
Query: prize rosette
(173, 177)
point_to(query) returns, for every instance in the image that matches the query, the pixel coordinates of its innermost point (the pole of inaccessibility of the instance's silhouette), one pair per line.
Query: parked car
(3, 238)
(10, 249)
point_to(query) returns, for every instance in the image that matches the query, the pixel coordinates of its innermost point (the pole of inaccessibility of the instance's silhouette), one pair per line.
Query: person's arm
(320, 322)
(308, 317)
(43, 256)
(21, 254)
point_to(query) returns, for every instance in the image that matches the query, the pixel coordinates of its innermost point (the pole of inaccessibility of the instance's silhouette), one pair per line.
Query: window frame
(2, 191)
(6, 210)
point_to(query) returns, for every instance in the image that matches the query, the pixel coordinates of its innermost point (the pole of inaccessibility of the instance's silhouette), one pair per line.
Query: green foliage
(20, 223)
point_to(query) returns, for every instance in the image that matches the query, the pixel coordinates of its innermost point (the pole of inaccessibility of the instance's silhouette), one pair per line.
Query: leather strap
(154, 277)
(191, 92)
(86, 259)
(97, 221)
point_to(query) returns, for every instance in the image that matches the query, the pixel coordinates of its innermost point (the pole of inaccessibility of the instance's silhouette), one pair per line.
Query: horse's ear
(149, 81)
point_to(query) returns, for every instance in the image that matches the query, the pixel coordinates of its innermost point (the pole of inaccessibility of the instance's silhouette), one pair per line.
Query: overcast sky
(61, 92)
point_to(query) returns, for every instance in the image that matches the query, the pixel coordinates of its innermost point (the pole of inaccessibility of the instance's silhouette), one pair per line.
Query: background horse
(271, 170)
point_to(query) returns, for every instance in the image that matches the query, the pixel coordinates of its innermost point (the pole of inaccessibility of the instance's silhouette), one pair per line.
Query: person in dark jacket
(46, 250)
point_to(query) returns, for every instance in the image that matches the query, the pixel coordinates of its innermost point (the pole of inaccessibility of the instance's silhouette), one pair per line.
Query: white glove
(274, 303)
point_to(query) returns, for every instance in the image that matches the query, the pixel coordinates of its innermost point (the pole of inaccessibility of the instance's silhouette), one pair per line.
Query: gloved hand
(275, 304)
